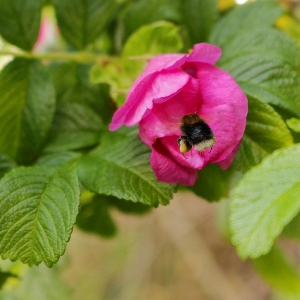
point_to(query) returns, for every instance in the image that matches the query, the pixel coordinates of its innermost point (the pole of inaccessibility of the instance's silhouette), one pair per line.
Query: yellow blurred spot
(225, 4)
(290, 26)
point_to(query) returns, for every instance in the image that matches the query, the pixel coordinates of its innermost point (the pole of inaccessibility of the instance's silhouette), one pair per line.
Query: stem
(82, 57)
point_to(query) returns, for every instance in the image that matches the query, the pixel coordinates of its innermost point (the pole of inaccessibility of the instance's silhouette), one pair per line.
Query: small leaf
(157, 38)
(265, 201)
(120, 73)
(265, 132)
(38, 208)
(261, 14)
(82, 22)
(275, 268)
(95, 217)
(120, 167)
(27, 104)
(294, 124)
(20, 21)
(292, 230)
(199, 17)
(212, 183)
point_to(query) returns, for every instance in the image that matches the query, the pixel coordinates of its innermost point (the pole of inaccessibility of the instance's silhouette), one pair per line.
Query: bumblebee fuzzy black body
(195, 133)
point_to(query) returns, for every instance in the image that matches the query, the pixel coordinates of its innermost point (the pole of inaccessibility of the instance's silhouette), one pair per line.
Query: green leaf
(75, 126)
(154, 39)
(6, 164)
(20, 21)
(95, 217)
(199, 16)
(57, 159)
(212, 183)
(38, 208)
(294, 124)
(278, 272)
(82, 22)
(265, 200)
(265, 77)
(144, 12)
(262, 60)
(120, 167)
(292, 230)
(120, 73)
(72, 84)
(259, 14)
(265, 132)
(266, 41)
(27, 103)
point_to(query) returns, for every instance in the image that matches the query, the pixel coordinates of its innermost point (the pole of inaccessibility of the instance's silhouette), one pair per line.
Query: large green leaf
(82, 21)
(75, 126)
(20, 21)
(265, 77)
(38, 208)
(72, 84)
(265, 200)
(279, 272)
(6, 164)
(27, 105)
(199, 16)
(261, 59)
(120, 167)
(265, 132)
(267, 41)
(259, 14)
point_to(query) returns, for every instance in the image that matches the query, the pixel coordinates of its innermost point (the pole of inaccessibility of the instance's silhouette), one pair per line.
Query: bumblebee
(195, 133)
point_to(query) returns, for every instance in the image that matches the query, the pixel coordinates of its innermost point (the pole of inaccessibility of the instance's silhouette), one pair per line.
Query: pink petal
(163, 120)
(224, 108)
(168, 170)
(161, 87)
(205, 53)
(224, 164)
(159, 63)
(192, 159)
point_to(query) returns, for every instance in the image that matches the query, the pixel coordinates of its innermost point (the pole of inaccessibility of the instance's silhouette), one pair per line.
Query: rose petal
(192, 159)
(224, 108)
(162, 85)
(224, 164)
(163, 120)
(159, 63)
(205, 53)
(168, 170)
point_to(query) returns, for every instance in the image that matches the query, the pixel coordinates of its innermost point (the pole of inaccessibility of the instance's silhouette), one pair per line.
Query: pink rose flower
(172, 86)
